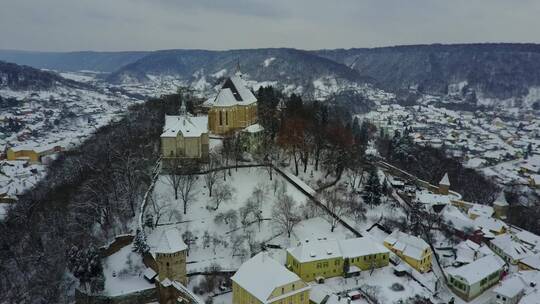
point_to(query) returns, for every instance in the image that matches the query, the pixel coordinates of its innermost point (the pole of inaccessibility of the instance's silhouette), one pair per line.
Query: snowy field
(228, 244)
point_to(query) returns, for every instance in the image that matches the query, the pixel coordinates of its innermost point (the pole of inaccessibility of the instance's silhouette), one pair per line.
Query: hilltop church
(185, 136)
(234, 108)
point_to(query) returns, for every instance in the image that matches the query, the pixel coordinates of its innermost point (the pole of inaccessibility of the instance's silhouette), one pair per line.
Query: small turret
(444, 185)
(183, 111)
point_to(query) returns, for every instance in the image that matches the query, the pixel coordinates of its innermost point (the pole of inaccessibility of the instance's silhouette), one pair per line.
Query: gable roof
(445, 180)
(410, 245)
(233, 92)
(188, 126)
(360, 247)
(315, 250)
(169, 241)
(477, 270)
(511, 247)
(261, 274)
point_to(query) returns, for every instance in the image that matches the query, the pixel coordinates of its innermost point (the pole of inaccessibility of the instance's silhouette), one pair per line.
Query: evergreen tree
(139, 242)
(85, 264)
(373, 190)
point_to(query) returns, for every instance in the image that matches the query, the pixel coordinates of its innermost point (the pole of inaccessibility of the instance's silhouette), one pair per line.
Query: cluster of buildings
(35, 126)
(233, 109)
(502, 145)
(315, 261)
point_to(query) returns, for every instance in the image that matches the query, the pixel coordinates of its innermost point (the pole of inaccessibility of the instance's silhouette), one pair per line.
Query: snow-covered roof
(411, 246)
(500, 200)
(532, 261)
(274, 275)
(233, 92)
(445, 180)
(428, 198)
(477, 270)
(188, 126)
(478, 209)
(511, 247)
(255, 128)
(510, 287)
(185, 291)
(360, 247)
(327, 249)
(457, 219)
(527, 237)
(169, 241)
(489, 223)
(315, 250)
(521, 282)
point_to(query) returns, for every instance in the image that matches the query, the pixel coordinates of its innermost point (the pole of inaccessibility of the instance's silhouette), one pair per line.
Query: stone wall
(120, 241)
(139, 297)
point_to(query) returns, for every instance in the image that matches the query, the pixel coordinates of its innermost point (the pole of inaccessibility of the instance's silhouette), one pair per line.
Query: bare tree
(211, 177)
(174, 176)
(186, 184)
(159, 210)
(336, 206)
(285, 215)
(222, 193)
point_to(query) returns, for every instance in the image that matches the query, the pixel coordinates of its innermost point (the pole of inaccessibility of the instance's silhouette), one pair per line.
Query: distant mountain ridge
(20, 77)
(72, 61)
(280, 64)
(492, 71)
(495, 70)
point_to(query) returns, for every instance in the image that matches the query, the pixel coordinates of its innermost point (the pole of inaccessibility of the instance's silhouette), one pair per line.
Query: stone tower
(170, 256)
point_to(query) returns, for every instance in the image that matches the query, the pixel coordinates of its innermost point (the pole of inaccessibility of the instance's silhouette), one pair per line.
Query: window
(220, 118)
(227, 118)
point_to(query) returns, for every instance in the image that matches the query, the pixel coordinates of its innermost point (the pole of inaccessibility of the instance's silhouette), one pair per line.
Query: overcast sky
(65, 25)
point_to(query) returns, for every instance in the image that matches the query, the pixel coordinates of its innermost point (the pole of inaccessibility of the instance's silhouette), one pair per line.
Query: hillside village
(36, 126)
(502, 145)
(230, 218)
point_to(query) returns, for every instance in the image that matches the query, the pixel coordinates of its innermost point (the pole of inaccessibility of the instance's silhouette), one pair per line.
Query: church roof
(189, 126)
(233, 92)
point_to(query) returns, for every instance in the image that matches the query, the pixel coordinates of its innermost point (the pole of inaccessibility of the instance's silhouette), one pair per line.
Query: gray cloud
(227, 24)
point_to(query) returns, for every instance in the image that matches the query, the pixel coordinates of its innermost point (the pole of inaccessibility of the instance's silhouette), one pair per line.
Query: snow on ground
(17, 176)
(123, 273)
(218, 248)
(3, 210)
(382, 280)
(268, 61)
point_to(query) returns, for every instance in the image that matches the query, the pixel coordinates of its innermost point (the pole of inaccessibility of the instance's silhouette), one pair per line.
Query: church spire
(238, 72)
(183, 111)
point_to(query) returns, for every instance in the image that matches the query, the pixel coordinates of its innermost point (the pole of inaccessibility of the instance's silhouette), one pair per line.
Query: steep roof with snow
(478, 209)
(501, 200)
(169, 241)
(410, 245)
(233, 92)
(511, 247)
(445, 180)
(489, 223)
(478, 270)
(188, 126)
(261, 274)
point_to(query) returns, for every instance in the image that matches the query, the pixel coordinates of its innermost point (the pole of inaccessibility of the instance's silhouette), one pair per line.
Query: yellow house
(234, 107)
(262, 280)
(413, 250)
(325, 259)
(185, 136)
(531, 262)
(32, 154)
